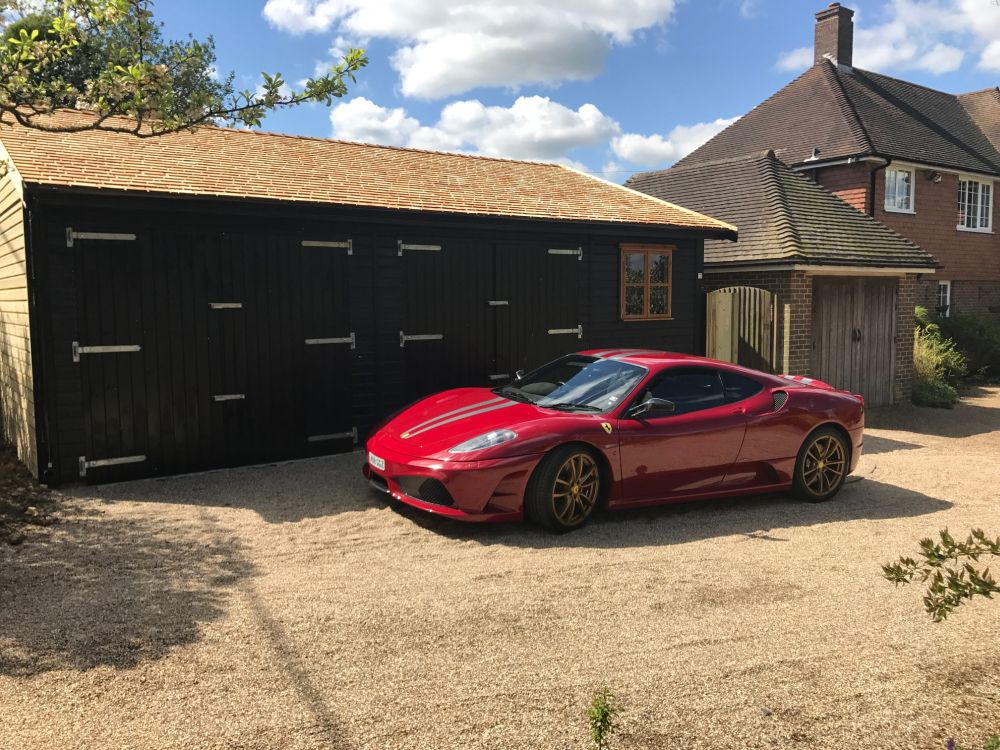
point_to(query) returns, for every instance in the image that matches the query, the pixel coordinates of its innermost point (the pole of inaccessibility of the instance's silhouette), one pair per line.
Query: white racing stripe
(465, 415)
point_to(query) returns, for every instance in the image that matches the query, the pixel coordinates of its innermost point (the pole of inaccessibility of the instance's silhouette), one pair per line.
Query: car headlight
(489, 440)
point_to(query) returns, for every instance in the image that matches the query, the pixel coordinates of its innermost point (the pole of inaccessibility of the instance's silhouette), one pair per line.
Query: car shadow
(95, 591)
(875, 445)
(761, 517)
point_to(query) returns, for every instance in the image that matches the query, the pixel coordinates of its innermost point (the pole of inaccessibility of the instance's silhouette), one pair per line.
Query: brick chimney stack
(835, 34)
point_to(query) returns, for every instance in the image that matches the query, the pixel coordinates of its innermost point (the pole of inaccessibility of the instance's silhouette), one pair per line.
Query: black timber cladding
(222, 298)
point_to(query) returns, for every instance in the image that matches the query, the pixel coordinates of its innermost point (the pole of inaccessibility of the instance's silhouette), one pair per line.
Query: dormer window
(899, 190)
(975, 205)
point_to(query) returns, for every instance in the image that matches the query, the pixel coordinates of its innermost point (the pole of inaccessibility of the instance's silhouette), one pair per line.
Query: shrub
(978, 339)
(937, 368)
(604, 708)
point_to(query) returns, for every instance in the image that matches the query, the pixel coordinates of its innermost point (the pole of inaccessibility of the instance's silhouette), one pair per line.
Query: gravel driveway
(285, 607)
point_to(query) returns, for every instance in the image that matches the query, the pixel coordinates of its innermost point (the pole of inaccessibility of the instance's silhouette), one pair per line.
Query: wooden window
(646, 289)
(975, 205)
(899, 190)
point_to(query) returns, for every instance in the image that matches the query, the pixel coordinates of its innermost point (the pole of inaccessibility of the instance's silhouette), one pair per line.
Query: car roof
(653, 358)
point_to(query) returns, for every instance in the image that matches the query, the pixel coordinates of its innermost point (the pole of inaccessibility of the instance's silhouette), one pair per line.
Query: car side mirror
(519, 375)
(652, 407)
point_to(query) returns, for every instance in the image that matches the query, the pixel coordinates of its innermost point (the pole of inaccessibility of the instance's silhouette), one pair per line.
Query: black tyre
(821, 466)
(564, 490)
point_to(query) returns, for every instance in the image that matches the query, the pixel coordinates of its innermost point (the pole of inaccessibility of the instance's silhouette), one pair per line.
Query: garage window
(646, 274)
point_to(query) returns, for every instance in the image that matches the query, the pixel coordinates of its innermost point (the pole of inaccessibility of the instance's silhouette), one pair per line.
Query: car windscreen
(577, 383)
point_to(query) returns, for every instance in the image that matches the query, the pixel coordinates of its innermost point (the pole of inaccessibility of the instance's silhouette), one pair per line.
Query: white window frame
(912, 171)
(981, 183)
(946, 286)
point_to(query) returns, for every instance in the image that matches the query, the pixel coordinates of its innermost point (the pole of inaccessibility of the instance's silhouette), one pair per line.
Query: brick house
(925, 163)
(843, 283)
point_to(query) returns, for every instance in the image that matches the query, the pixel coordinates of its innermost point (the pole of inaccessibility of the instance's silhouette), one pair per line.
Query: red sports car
(623, 428)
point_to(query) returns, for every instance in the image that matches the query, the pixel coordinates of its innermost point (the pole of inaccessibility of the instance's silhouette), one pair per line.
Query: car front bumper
(474, 491)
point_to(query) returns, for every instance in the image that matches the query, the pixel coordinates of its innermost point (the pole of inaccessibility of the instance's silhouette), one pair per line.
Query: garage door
(854, 322)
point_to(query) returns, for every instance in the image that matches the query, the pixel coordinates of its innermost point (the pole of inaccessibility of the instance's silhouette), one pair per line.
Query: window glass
(975, 204)
(944, 298)
(899, 190)
(576, 383)
(635, 268)
(646, 279)
(658, 300)
(739, 387)
(658, 267)
(690, 390)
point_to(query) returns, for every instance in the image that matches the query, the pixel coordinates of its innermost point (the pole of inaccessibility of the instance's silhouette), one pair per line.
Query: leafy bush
(604, 707)
(978, 339)
(937, 366)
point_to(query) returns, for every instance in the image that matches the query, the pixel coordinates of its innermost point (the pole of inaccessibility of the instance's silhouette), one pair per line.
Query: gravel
(285, 607)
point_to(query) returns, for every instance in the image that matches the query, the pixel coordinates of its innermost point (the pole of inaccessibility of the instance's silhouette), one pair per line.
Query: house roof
(846, 112)
(783, 216)
(984, 108)
(210, 161)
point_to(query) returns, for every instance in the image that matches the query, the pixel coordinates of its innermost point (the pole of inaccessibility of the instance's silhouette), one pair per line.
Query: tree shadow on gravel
(102, 591)
(752, 517)
(977, 413)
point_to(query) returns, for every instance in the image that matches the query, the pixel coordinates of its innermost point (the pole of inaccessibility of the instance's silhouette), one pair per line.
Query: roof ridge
(243, 132)
(754, 156)
(647, 196)
(987, 90)
(846, 107)
(786, 234)
(903, 80)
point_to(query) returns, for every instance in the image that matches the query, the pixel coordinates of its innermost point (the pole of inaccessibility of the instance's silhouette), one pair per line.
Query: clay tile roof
(783, 216)
(211, 161)
(846, 112)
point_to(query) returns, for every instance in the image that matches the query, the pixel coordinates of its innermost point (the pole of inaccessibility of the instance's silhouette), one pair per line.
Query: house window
(975, 205)
(899, 190)
(944, 298)
(646, 271)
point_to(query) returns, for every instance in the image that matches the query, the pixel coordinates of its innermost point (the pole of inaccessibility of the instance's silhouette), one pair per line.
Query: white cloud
(655, 150)
(446, 48)
(931, 35)
(532, 127)
(749, 8)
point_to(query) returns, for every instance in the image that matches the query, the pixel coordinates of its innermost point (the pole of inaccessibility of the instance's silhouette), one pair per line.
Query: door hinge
(578, 251)
(78, 350)
(226, 305)
(347, 245)
(85, 464)
(401, 246)
(229, 397)
(72, 236)
(343, 340)
(404, 337)
(578, 331)
(498, 303)
(353, 434)
(500, 376)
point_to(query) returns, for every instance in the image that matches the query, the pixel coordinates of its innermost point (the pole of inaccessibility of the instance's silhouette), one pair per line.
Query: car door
(688, 451)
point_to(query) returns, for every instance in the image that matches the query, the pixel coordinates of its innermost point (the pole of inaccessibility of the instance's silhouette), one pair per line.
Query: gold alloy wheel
(825, 464)
(576, 488)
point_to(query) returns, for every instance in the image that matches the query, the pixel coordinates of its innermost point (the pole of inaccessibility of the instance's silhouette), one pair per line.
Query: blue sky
(612, 87)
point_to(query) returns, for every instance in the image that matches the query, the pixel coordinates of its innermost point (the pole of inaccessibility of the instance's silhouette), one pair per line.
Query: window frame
(947, 310)
(912, 171)
(646, 250)
(980, 182)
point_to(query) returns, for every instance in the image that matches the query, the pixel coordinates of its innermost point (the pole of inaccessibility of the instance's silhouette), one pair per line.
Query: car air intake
(427, 489)
(780, 397)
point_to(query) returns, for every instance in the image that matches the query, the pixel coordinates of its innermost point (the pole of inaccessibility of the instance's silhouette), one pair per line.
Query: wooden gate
(854, 323)
(741, 326)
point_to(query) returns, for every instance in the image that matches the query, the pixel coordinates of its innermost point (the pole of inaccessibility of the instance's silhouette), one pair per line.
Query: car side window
(690, 389)
(739, 387)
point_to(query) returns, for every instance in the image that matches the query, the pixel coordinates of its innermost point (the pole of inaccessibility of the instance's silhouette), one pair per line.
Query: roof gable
(219, 162)
(844, 112)
(783, 216)
(984, 109)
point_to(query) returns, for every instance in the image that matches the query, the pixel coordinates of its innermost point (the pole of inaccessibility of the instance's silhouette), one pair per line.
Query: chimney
(835, 35)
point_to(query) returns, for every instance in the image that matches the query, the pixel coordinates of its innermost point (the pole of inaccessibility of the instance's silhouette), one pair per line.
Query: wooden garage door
(854, 335)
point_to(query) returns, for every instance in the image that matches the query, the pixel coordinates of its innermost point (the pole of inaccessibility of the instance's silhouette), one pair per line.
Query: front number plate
(376, 462)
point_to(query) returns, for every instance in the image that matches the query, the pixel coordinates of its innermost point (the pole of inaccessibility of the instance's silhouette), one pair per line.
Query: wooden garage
(218, 298)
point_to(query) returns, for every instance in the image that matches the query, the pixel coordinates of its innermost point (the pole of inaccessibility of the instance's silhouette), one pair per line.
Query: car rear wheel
(822, 466)
(564, 490)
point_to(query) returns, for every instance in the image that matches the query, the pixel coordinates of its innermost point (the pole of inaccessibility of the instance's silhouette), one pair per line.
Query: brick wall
(849, 182)
(910, 290)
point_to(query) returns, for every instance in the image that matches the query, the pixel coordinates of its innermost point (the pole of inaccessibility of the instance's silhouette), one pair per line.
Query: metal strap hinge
(347, 245)
(353, 434)
(560, 331)
(226, 305)
(344, 340)
(85, 464)
(401, 246)
(72, 236)
(578, 252)
(501, 376)
(498, 303)
(229, 397)
(78, 350)
(404, 337)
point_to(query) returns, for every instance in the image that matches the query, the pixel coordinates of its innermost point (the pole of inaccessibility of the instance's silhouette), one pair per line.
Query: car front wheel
(564, 490)
(822, 465)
